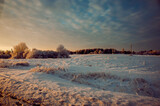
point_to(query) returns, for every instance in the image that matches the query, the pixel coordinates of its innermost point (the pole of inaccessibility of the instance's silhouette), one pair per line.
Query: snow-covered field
(82, 80)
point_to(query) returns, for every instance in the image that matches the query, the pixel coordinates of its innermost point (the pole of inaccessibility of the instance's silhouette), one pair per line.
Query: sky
(80, 24)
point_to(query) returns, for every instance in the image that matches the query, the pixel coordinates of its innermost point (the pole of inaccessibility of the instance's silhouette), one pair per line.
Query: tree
(122, 50)
(5, 54)
(100, 52)
(20, 51)
(62, 52)
(60, 48)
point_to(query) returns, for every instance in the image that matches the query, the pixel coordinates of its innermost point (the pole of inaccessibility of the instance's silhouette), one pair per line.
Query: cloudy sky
(78, 24)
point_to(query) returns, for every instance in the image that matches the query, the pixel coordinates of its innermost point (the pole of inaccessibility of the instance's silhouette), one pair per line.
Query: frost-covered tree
(5, 54)
(34, 54)
(41, 54)
(60, 48)
(62, 52)
(19, 51)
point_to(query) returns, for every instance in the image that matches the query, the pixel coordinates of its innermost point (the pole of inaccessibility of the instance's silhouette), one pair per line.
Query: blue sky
(78, 24)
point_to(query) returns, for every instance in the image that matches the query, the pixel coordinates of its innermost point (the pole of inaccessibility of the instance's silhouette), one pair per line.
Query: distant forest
(21, 51)
(114, 51)
(100, 51)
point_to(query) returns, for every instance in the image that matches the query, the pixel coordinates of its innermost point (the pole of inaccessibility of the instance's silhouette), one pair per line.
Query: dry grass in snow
(47, 70)
(142, 87)
(96, 75)
(138, 86)
(101, 80)
(4, 64)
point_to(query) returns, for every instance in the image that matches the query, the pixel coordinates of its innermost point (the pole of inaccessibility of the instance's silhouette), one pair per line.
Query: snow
(84, 80)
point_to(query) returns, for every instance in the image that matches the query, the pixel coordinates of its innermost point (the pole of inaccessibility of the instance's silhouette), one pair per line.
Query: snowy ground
(83, 80)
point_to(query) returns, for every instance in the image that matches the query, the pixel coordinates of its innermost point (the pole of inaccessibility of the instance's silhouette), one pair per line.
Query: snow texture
(82, 80)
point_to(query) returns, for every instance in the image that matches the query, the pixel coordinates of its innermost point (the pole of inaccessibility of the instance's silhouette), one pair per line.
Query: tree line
(114, 51)
(21, 51)
(100, 51)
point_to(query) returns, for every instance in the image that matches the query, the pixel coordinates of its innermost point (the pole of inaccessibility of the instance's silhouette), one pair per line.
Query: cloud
(1, 6)
(88, 22)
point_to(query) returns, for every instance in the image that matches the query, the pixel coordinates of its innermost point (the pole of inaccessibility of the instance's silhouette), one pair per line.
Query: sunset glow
(78, 24)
